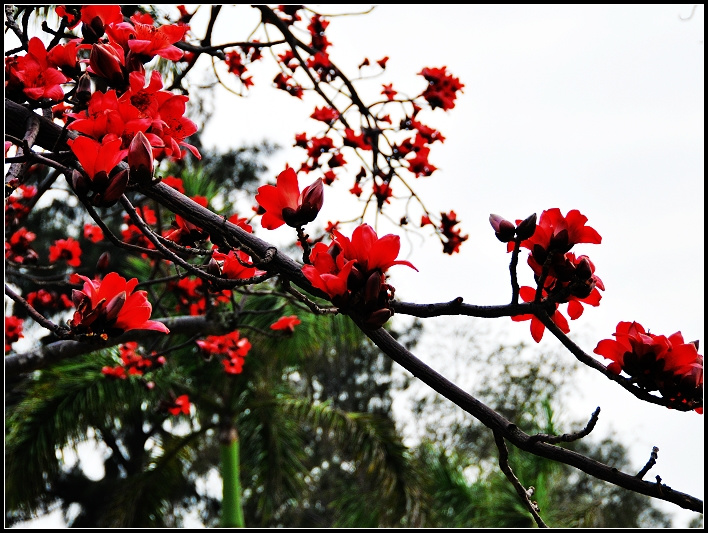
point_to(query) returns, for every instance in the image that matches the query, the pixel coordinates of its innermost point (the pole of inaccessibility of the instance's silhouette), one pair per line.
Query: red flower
(16, 206)
(186, 233)
(318, 146)
(147, 40)
(64, 55)
(388, 92)
(356, 141)
(369, 251)
(18, 250)
(454, 236)
(67, 249)
(231, 346)
(180, 405)
(284, 204)
(114, 372)
(174, 182)
(172, 127)
(234, 265)
(33, 70)
(110, 308)
(283, 82)
(93, 233)
(13, 331)
(48, 301)
(107, 116)
(98, 160)
(325, 114)
(669, 365)
(419, 164)
(528, 294)
(286, 323)
(337, 160)
(383, 193)
(442, 88)
(556, 233)
(356, 190)
(352, 273)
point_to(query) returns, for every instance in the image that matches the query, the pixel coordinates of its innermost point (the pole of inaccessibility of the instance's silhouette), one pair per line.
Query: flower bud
(103, 262)
(310, 203)
(313, 195)
(584, 268)
(373, 287)
(107, 63)
(114, 306)
(213, 268)
(378, 318)
(503, 229)
(83, 89)
(115, 188)
(140, 159)
(92, 30)
(80, 183)
(526, 228)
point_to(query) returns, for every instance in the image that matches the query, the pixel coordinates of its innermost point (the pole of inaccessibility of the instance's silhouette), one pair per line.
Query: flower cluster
(127, 117)
(668, 365)
(451, 235)
(110, 307)
(13, 331)
(132, 362)
(562, 277)
(442, 87)
(18, 247)
(16, 205)
(48, 301)
(353, 273)
(232, 347)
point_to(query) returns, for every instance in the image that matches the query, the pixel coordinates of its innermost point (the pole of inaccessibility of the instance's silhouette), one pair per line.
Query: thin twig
(651, 462)
(509, 473)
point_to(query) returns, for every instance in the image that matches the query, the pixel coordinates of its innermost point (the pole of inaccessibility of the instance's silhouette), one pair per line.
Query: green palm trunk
(231, 510)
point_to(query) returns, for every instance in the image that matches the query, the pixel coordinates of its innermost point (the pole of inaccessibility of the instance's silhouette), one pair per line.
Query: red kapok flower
(232, 346)
(369, 251)
(284, 204)
(528, 294)
(556, 233)
(325, 114)
(352, 272)
(33, 70)
(67, 249)
(234, 265)
(180, 405)
(13, 331)
(93, 233)
(147, 40)
(389, 92)
(442, 88)
(670, 365)
(287, 323)
(110, 307)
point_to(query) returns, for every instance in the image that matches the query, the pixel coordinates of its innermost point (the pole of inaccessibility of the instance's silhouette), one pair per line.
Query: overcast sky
(596, 108)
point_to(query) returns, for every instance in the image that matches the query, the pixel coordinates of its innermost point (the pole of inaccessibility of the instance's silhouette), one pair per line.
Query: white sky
(596, 108)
